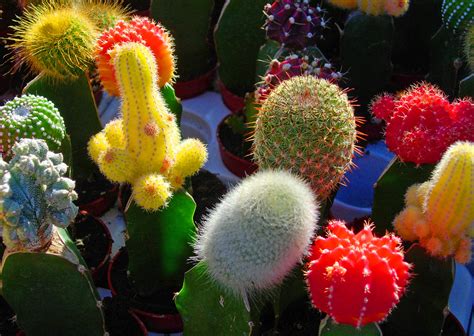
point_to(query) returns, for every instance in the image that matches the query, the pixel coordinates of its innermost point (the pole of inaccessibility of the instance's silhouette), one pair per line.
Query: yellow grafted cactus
(375, 7)
(440, 212)
(144, 147)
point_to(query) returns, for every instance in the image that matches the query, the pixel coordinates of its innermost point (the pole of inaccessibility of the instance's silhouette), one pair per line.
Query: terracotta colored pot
(237, 165)
(102, 204)
(231, 100)
(194, 87)
(162, 323)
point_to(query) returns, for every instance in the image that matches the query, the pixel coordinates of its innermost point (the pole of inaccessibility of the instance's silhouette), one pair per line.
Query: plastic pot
(233, 102)
(194, 87)
(102, 204)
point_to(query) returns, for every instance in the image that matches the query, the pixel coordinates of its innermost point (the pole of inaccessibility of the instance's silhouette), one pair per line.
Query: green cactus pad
(390, 189)
(422, 310)
(76, 104)
(189, 23)
(207, 309)
(31, 117)
(159, 243)
(51, 296)
(446, 55)
(457, 14)
(238, 38)
(366, 51)
(329, 328)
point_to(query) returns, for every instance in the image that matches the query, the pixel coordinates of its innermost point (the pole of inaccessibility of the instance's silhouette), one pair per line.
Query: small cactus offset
(34, 196)
(356, 278)
(457, 14)
(469, 47)
(440, 212)
(141, 30)
(258, 233)
(294, 23)
(144, 147)
(375, 7)
(422, 123)
(54, 39)
(30, 116)
(307, 126)
(295, 65)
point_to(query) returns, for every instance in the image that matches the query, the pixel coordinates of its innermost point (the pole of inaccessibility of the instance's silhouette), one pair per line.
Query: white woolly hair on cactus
(259, 231)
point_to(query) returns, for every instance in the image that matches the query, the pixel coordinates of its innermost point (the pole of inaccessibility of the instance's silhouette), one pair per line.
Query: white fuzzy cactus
(258, 232)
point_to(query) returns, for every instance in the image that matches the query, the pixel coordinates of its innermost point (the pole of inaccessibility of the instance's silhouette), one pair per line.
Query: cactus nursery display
(277, 248)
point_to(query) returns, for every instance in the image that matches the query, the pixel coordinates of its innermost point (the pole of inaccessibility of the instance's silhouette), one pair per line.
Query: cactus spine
(440, 212)
(30, 116)
(144, 147)
(307, 126)
(34, 196)
(259, 232)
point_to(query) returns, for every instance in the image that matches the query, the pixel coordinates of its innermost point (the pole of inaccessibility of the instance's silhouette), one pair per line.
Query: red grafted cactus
(141, 30)
(422, 123)
(295, 65)
(356, 278)
(294, 23)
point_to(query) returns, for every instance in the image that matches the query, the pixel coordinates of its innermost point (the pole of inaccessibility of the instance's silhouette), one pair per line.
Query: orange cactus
(356, 278)
(142, 30)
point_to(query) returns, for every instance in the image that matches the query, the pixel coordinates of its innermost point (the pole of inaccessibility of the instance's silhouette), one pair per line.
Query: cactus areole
(356, 278)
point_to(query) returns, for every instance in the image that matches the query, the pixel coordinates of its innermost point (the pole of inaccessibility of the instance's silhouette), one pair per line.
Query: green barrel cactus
(307, 126)
(457, 14)
(30, 116)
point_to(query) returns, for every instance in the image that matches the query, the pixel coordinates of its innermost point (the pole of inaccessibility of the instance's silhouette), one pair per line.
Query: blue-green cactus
(34, 196)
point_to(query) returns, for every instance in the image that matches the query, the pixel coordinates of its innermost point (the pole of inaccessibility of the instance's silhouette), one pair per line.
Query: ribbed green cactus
(34, 196)
(307, 126)
(440, 212)
(457, 14)
(258, 233)
(30, 116)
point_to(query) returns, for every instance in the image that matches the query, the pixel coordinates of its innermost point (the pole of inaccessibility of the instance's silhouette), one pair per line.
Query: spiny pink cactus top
(356, 278)
(422, 123)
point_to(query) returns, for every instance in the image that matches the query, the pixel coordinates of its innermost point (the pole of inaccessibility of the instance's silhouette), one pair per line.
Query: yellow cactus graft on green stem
(144, 147)
(440, 212)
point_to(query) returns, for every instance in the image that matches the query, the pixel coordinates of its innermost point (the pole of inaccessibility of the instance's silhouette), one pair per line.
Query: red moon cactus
(356, 278)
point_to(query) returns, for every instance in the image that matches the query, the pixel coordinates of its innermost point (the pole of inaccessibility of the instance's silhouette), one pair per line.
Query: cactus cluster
(30, 116)
(141, 30)
(258, 232)
(294, 23)
(375, 7)
(295, 65)
(54, 39)
(440, 212)
(144, 147)
(356, 278)
(422, 123)
(307, 126)
(34, 196)
(457, 14)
